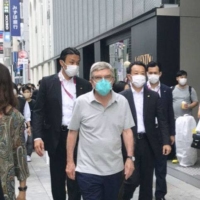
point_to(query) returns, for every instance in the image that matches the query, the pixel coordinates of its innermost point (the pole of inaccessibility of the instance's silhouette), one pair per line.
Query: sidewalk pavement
(39, 184)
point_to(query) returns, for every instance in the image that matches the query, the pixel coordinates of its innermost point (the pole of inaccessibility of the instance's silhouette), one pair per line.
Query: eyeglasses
(98, 78)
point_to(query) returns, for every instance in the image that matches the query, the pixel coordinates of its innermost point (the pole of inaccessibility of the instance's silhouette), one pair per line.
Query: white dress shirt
(27, 112)
(67, 101)
(139, 102)
(156, 89)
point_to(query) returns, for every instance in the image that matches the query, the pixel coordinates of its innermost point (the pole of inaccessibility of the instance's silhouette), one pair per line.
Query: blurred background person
(12, 144)
(24, 109)
(184, 101)
(27, 93)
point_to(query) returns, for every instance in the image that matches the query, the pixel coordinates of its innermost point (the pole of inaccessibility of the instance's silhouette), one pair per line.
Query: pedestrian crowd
(104, 137)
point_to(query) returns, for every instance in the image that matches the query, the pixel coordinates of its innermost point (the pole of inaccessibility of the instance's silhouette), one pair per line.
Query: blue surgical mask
(103, 87)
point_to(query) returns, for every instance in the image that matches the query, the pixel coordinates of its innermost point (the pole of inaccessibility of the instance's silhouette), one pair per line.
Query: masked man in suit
(154, 72)
(146, 109)
(52, 114)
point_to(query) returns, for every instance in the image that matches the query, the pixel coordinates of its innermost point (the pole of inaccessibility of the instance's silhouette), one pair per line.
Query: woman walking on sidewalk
(12, 144)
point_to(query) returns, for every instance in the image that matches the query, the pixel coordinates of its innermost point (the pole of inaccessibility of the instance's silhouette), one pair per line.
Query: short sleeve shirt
(183, 94)
(100, 128)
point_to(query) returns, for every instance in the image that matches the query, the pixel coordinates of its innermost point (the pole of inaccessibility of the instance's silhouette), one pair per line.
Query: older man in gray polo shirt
(100, 117)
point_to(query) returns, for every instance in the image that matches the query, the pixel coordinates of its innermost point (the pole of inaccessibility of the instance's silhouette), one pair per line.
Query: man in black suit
(154, 73)
(52, 114)
(146, 107)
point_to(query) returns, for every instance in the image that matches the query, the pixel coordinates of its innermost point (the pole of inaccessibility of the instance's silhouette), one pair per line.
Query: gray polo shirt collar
(113, 99)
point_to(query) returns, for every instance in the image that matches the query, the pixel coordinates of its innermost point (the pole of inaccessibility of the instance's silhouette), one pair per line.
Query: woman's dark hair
(7, 96)
(128, 70)
(119, 86)
(68, 51)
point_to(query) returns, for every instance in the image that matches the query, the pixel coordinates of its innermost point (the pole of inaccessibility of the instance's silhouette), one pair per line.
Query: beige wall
(190, 42)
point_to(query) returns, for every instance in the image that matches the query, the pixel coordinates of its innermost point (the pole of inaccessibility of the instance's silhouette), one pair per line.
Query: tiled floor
(191, 175)
(39, 184)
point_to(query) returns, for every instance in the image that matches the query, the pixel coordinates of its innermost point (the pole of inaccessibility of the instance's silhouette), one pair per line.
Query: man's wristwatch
(131, 157)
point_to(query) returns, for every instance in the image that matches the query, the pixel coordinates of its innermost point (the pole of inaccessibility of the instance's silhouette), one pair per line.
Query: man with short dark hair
(52, 115)
(154, 72)
(184, 100)
(146, 107)
(184, 96)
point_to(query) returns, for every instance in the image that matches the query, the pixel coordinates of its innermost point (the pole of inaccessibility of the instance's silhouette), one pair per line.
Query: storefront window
(119, 58)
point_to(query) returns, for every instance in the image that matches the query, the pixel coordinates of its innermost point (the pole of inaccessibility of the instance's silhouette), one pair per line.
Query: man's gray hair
(100, 66)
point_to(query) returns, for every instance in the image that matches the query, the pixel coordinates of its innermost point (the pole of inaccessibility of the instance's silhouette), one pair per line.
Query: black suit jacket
(35, 92)
(167, 103)
(47, 114)
(152, 108)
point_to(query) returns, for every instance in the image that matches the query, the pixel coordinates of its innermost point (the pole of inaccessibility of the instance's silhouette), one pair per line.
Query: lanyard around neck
(68, 93)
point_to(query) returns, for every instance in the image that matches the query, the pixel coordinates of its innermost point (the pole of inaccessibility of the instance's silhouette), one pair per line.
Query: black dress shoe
(163, 198)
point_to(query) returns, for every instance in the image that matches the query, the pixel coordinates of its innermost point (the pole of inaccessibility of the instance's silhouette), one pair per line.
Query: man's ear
(129, 77)
(61, 63)
(113, 81)
(160, 74)
(92, 83)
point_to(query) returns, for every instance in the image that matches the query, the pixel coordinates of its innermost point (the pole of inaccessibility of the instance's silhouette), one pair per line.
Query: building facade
(116, 31)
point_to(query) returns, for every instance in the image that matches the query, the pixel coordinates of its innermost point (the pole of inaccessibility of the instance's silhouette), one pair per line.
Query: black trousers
(58, 174)
(143, 173)
(161, 172)
(96, 187)
(29, 145)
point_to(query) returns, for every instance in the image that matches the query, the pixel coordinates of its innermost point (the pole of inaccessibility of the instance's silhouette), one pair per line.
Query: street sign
(22, 61)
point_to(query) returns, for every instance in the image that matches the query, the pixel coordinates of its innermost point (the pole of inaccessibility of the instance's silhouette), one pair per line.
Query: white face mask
(182, 81)
(71, 70)
(138, 80)
(153, 78)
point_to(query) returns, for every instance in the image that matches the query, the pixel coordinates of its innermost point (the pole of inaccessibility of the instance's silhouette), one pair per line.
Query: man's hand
(70, 170)
(198, 114)
(166, 149)
(21, 195)
(172, 139)
(128, 168)
(186, 106)
(28, 130)
(39, 147)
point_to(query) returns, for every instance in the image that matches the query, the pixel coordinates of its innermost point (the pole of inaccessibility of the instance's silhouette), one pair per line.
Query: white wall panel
(96, 17)
(110, 14)
(102, 15)
(90, 19)
(77, 21)
(118, 13)
(85, 21)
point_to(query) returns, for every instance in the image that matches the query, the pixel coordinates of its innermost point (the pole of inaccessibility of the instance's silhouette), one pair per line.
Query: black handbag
(196, 141)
